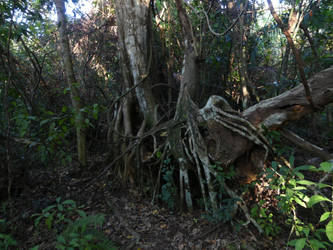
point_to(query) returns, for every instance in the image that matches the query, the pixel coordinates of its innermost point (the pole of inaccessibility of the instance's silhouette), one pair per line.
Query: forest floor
(132, 222)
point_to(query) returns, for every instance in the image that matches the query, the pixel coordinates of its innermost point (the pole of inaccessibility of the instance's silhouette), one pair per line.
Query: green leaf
(299, 175)
(60, 207)
(323, 185)
(306, 167)
(81, 213)
(300, 202)
(48, 208)
(324, 216)
(74, 242)
(61, 239)
(49, 221)
(292, 243)
(300, 243)
(326, 167)
(315, 199)
(306, 231)
(291, 160)
(37, 221)
(275, 165)
(316, 244)
(329, 231)
(69, 202)
(305, 182)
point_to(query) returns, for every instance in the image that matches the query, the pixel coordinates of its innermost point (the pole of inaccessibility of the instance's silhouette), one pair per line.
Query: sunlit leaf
(326, 167)
(300, 202)
(305, 182)
(315, 199)
(324, 216)
(329, 231)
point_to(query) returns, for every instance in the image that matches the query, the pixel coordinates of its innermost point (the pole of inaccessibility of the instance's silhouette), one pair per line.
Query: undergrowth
(72, 228)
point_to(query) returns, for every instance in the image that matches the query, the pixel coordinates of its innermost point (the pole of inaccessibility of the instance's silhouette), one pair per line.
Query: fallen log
(233, 138)
(292, 105)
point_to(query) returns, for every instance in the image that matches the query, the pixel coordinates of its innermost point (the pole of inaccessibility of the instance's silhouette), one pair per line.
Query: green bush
(80, 233)
(6, 240)
(296, 191)
(84, 234)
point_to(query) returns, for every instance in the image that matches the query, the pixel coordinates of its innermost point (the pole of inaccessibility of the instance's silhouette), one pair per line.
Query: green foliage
(227, 206)
(6, 240)
(224, 213)
(296, 191)
(59, 215)
(265, 219)
(168, 190)
(280, 147)
(223, 174)
(84, 234)
(81, 233)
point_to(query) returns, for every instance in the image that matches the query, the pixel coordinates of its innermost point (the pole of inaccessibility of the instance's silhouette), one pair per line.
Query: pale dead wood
(308, 146)
(291, 105)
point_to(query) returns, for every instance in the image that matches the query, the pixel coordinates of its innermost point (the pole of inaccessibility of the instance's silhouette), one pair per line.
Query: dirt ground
(132, 221)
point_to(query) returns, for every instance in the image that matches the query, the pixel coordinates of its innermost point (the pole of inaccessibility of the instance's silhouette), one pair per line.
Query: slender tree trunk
(242, 59)
(285, 60)
(312, 45)
(71, 80)
(289, 35)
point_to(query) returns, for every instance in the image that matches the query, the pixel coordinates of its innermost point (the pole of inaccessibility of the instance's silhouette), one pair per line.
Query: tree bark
(291, 105)
(72, 83)
(215, 134)
(134, 28)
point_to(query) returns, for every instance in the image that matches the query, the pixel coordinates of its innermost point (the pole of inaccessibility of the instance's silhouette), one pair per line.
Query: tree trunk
(217, 135)
(134, 30)
(291, 105)
(293, 27)
(72, 83)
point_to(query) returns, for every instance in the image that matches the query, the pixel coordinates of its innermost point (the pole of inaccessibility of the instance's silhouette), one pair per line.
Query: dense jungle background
(166, 124)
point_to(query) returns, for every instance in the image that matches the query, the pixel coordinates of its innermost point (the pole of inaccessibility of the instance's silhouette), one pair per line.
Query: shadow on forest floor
(132, 222)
